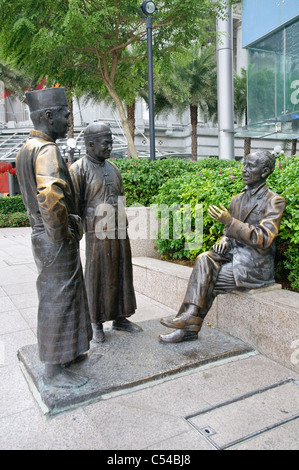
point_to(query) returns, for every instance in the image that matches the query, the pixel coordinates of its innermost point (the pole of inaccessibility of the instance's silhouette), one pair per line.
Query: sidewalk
(243, 402)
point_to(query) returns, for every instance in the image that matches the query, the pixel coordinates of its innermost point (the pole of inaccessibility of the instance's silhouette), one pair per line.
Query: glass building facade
(273, 68)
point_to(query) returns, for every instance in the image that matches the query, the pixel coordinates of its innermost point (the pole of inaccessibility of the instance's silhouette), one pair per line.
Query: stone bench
(267, 318)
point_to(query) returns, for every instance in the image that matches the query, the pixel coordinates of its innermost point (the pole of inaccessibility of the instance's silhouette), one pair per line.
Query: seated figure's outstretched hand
(220, 215)
(221, 247)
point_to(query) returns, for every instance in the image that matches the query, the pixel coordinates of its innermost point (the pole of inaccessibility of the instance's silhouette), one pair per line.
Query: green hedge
(142, 178)
(12, 204)
(217, 183)
(13, 212)
(15, 219)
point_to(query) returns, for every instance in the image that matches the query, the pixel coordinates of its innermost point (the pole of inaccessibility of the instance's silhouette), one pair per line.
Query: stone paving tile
(11, 321)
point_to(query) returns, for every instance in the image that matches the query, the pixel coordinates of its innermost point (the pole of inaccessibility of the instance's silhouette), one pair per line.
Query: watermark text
(150, 223)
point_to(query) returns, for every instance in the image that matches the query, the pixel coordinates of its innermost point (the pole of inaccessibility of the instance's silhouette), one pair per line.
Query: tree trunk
(247, 140)
(247, 146)
(294, 146)
(131, 121)
(132, 153)
(70, 132)
(194, 118)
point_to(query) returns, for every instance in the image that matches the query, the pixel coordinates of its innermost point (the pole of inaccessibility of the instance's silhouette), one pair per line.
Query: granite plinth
(128, 359)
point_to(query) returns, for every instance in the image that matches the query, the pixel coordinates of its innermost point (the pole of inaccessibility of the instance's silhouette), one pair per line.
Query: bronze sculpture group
(63, 203)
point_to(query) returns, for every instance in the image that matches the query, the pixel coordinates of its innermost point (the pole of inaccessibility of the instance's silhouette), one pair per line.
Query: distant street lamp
(71, 143)
(148, 8)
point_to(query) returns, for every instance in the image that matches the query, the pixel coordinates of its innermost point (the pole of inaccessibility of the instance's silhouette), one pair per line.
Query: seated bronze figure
(244, 256)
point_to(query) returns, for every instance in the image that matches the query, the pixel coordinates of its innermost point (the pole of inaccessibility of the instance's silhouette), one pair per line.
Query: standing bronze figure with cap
(244, 256)
(100, 198)
(63, 329)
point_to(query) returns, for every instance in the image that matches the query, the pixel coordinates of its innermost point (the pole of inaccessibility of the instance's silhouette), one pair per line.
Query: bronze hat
(47, 98)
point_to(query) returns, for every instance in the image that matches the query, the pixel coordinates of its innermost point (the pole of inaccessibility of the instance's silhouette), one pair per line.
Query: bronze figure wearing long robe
(108, 269)
(64, 328)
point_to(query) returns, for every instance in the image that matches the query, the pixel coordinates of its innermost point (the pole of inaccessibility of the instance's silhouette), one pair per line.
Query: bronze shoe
(123, 324)
(178, 336)
(184, 321)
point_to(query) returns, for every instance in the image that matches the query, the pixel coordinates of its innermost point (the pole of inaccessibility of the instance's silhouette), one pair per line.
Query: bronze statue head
(257, 167)
(98, 141)
(49, 111)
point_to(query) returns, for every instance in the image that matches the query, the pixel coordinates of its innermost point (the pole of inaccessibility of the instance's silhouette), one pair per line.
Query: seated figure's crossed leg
(211, 275)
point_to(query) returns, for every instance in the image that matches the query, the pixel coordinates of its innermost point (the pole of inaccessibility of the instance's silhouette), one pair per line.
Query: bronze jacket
(46, 186)
(255, 225)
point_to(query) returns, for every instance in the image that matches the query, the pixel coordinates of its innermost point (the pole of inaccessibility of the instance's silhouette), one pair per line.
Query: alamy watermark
(295, 354)
(149, 223)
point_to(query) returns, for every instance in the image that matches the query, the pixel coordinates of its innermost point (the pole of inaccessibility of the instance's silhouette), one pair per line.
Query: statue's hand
(221, 247)
(220, 215)
(71, 234)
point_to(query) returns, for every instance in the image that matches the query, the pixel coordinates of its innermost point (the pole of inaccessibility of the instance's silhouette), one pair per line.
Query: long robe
(108, 269)
(63, 329)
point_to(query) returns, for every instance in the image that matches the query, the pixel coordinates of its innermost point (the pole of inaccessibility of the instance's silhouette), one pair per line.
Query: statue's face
(60, 123)
(100, 147)
(254, 171)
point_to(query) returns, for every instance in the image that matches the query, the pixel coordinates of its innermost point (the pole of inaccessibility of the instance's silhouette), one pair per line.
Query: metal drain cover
(247, 416)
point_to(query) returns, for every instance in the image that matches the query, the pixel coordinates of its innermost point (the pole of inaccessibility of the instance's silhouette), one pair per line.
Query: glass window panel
(292, 70)
(261, 85)
(273, 77)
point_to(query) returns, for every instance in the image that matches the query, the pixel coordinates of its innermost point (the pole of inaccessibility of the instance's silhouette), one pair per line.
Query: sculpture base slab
(125, 360)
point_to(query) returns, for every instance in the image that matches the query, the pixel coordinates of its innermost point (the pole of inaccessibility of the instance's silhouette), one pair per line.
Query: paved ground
(245, 402)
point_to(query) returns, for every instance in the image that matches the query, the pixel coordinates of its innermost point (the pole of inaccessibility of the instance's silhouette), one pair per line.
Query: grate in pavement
(247, 416)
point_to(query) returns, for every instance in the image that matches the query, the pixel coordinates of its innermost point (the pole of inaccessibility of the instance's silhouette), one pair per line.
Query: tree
(14, 81)
(84, 42)
(240, 104)
(190, 83)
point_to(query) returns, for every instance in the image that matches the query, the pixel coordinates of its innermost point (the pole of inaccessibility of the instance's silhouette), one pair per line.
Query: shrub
(16, 219)
(212, 185)
(285, 181)
(142, 178)
(217, 182)
(11, 204)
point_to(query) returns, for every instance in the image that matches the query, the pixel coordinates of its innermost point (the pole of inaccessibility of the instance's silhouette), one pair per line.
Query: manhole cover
(247, 416)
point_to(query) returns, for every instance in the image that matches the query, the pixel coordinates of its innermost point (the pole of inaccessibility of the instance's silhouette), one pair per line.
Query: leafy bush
(11, 204)
(217, 182)
(13, 212)
(285, 181)
(142, 178)
(16, 219)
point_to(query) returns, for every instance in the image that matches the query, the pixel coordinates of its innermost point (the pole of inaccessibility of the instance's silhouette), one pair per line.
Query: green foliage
(207, 182)
(211, 182)
(11, 204)
(142, 178)
(15, 219)
(90, 43)
(285, 181)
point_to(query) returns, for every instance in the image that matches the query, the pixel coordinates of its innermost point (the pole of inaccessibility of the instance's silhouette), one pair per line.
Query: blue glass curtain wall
(273, 78)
